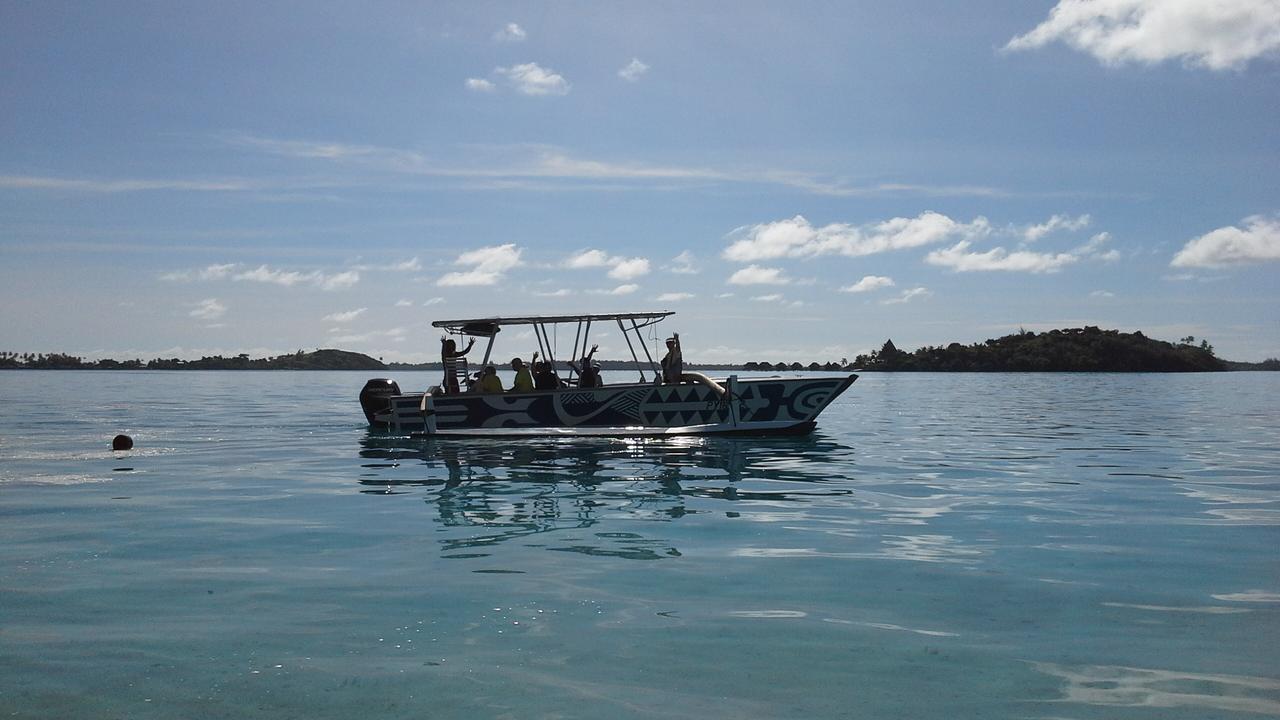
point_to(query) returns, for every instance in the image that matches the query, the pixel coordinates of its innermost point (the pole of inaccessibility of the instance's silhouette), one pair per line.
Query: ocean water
(943, 546)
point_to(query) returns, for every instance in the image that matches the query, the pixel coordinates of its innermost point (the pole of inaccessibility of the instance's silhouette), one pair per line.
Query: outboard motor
(375, 397)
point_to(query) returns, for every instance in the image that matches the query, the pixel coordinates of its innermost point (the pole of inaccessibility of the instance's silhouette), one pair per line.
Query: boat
(651, 406)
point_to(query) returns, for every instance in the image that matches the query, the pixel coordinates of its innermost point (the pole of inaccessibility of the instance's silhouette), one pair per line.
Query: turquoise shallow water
(944, 546)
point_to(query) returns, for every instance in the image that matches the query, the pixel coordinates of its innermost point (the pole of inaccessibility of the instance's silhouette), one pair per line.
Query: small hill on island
(1087, 349)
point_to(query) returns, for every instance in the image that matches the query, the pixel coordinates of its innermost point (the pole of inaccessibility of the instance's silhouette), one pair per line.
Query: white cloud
(797, 238)
(684, 264)
(620, 268)
(511, 32)
(588, 259)
(633, 71)
(630, 268)
(432, 301)
(1101, 294)
(404, 303)
(1258, 241)
(1033, 233)
(1093, 249)
(562, 292)
(907, 296)
(208, 309)
(1216, 34)
(480, 85)
(774, 297)
(960, 258)
(344, 317)
(675, 297)
(868, 283)
(211, 272)
(489, 264)
(756, 275)
(532, 79)
(290, 278)
(624, 289)
(338, 281)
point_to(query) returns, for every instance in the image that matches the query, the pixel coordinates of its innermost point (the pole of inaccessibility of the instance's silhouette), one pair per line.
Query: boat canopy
(630, 324)
(484, 327)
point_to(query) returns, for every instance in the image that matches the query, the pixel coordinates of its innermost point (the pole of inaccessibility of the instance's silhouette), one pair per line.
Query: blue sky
(796, 181)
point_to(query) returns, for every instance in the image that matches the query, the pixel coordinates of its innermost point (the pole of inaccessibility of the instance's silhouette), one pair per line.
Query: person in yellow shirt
(524, 379)
(489, 382)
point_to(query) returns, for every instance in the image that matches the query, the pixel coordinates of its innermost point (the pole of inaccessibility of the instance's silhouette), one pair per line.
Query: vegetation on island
(318, 360)
(1087, 349)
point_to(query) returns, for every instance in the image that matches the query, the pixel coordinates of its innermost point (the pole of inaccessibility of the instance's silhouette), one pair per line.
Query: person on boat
(544, 378)
(588, 371)
(449, 360)
(524, 379)
(673, 361)
(489, 382)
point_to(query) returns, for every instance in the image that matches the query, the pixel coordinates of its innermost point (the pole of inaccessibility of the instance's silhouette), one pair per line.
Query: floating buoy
(122, 442)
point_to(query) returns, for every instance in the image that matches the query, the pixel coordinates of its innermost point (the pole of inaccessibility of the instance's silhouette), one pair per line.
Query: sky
(796, 181)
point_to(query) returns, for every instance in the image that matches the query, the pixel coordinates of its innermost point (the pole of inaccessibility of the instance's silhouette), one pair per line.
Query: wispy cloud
(907, 296)
(404, 303)
(1219, 35)
(488, 266)
(432, 301)
(1102, 294)
(267, 274)
(510, 33)
(344, 317)
(757, 275)
(675, 297)
(211, 272)
(291, 278)
(868, 283)
(562, 292)
(633, 70)
(514, 165)
(208, 309)
(480, 85)
(624, 289)
(795, 237)
(1058, 222)
(410, 265)
(533, 79)
(772, 297)
(38, 182)
(684, 264)
(1258, 241)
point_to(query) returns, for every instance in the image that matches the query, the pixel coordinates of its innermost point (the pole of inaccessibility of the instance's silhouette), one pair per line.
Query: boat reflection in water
(498, 491)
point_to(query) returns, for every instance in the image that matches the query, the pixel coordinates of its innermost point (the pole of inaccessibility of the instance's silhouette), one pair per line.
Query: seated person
(544, 378)
(588, 370)
(489, 382)
(524, 379)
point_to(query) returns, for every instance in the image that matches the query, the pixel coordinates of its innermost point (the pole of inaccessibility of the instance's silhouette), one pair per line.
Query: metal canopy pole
(640, 337)
(636, 358)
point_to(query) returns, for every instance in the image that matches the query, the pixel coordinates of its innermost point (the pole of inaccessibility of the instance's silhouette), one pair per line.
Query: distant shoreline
(1074, 350)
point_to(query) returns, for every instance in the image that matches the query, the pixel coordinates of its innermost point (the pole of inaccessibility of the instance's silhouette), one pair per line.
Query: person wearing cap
(673, 361)
(489, 382)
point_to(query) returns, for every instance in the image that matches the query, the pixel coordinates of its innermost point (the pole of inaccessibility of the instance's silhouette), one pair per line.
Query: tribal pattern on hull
(772, 400)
